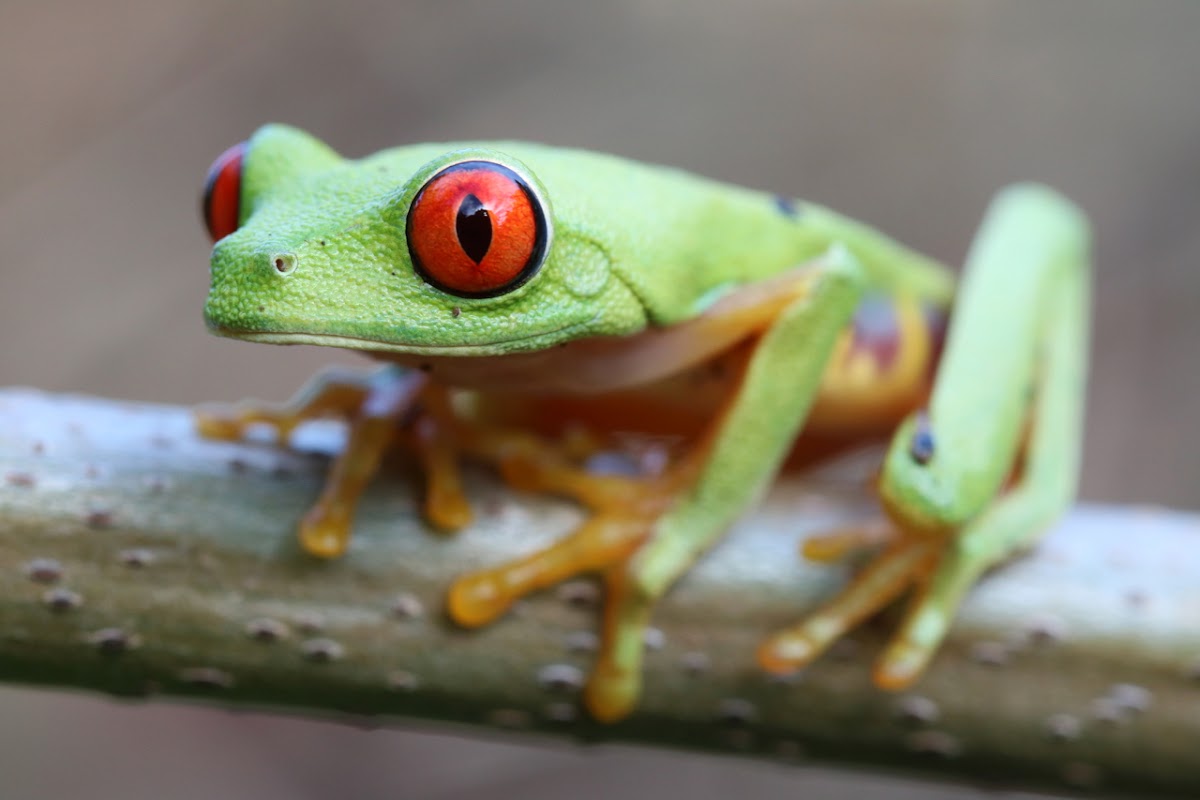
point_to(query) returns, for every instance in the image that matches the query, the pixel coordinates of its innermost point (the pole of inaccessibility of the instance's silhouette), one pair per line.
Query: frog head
(449, 249)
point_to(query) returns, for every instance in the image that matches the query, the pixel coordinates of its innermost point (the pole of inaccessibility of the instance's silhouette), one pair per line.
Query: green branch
(137, 559)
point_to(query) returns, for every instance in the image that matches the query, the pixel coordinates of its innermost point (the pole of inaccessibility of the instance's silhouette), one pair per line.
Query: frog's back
(681, 241)
(678, 240)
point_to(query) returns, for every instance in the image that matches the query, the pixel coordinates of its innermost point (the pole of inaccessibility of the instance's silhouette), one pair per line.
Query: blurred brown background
(906, 114)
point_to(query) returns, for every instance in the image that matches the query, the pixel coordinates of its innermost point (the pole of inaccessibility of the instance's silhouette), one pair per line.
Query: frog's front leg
(642, 537)
(376, 407)
(995, 458)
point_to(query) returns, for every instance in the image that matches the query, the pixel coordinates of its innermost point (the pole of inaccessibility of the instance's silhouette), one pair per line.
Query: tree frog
(514, 289)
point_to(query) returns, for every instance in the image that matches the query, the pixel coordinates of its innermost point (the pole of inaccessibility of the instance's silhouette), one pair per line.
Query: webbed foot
(937, 569)
(624, 514)
(378, 407)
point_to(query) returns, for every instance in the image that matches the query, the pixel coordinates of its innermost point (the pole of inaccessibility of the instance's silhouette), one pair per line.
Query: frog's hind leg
(1000, 457)
(373, 405)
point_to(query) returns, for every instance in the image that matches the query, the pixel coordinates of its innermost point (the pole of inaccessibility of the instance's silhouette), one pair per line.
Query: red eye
(223, 193)
(476, 229)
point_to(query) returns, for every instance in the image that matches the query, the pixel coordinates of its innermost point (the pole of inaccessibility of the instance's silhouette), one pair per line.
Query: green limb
(1014, 374)
(1048, 472)
(1026, 277)
(751, 442)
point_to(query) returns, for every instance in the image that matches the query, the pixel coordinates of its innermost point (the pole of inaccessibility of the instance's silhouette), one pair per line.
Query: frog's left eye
(476, 229)
(223, 193)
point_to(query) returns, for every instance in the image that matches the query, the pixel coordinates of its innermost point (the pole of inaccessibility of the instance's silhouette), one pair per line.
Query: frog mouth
(537, 341)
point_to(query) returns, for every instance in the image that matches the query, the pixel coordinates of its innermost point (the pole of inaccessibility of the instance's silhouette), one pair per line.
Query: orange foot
(378, 407)
(906, 561)
(624, 512)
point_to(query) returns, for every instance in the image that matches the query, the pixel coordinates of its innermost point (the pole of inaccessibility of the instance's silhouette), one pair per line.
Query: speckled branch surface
(140, 560)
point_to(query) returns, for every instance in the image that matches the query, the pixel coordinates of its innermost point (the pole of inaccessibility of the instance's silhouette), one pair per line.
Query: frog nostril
(283, 263)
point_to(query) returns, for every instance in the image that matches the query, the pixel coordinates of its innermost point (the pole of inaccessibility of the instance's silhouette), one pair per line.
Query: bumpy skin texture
(667, 295)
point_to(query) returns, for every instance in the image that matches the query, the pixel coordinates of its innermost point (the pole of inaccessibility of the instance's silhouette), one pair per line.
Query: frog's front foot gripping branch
(382, 408)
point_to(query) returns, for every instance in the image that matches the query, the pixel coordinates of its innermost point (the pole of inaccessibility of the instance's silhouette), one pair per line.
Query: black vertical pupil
(474, 228)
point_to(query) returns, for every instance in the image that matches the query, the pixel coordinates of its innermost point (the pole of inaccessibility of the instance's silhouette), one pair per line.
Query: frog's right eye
(223, 193)
(477, 229)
